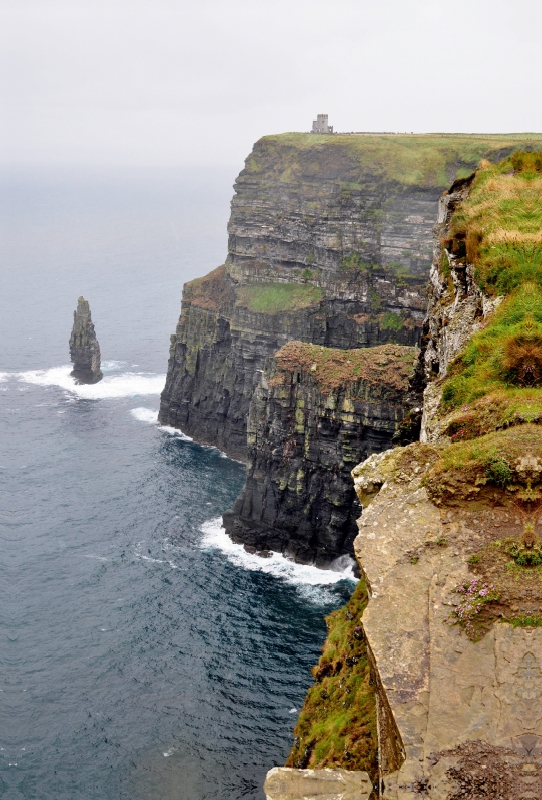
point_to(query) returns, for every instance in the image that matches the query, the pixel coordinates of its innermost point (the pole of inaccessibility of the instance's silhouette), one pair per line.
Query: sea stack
(84, 347)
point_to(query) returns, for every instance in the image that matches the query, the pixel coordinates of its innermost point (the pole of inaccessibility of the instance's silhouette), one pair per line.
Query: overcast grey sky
(172, 82)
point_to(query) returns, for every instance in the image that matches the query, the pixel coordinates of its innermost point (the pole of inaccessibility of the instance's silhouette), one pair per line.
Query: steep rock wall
(329, 243)
(314, 415)
(450, 542)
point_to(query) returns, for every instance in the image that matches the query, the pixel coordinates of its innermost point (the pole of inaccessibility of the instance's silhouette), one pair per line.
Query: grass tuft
(337, 724)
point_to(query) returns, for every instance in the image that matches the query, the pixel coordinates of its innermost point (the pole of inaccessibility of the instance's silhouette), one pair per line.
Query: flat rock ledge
(283, 783)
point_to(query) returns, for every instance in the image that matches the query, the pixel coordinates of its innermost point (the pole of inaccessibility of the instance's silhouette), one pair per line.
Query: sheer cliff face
(329, 243)
(314, 415)
(450, 537)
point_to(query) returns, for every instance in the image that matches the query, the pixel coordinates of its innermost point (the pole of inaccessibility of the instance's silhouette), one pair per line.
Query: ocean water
(143, 655)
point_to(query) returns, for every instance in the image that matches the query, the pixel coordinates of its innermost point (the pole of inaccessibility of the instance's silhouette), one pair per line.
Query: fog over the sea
(178, 83)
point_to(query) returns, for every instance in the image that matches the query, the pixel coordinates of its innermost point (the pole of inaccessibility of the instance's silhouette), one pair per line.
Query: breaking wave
(128, 384)
(145, 415)
(309, 580)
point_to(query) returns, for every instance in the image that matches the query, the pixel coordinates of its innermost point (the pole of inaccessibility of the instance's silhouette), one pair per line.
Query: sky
(195, 83)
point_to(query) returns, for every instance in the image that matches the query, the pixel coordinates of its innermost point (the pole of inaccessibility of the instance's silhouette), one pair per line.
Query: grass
(427, 160)
(391, 321)
(473, 468)
(498, 229)
(388, 366)
(337, 724)
(507, 585)
(274, 298)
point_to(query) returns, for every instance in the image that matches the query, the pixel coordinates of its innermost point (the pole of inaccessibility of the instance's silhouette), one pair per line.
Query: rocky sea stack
(84, 347)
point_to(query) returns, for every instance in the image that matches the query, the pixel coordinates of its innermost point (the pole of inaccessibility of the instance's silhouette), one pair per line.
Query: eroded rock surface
(84, 347)
(315, 413)
(282, 783)
(437, 687)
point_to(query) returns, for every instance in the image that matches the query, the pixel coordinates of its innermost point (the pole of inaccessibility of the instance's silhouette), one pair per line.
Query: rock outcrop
(84, 347)
(308, 784)
(315, 414)
(329, 244)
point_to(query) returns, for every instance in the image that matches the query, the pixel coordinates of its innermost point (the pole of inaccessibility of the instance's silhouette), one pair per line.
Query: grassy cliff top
(425, 160)
(498, 376)
(389, 365)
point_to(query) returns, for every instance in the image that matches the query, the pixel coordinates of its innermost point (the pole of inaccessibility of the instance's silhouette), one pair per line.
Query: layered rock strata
(84, 347)
(330, 244)
(315, 414)
(450, 538)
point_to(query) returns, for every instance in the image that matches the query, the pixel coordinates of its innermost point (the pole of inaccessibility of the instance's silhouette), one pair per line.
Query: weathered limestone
(282, 783)
(84, 347)
(314, 415)
(311, 215)
(437, 689)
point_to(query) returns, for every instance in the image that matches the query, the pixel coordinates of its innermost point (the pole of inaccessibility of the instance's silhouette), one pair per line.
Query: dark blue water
(142, 655)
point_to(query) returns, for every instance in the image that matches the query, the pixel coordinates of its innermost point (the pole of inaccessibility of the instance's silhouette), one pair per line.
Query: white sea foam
(4, 376)
(129, 384)
(309, 579)
(176, 432)
(145, 415)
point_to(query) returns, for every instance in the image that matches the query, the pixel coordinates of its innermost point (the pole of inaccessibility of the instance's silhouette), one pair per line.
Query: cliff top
(496, 380)
(424, 160)
(390, 365)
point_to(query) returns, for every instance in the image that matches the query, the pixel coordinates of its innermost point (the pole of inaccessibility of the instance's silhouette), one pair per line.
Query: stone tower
(320, 124)
(84, 347)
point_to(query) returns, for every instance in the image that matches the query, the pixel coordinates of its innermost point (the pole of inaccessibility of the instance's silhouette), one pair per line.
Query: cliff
(315, 414)
(84, 347)
(329, 244)
(449, 540)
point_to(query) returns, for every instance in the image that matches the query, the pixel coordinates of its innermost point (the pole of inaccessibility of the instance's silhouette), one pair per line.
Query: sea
(143, 654)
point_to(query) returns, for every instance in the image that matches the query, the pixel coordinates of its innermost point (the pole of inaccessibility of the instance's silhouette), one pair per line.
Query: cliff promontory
(315, 414)
(329, 244)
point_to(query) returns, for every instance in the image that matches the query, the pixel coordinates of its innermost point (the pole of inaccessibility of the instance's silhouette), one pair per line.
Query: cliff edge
(316, 413)
(329, 244)
(449, 540)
